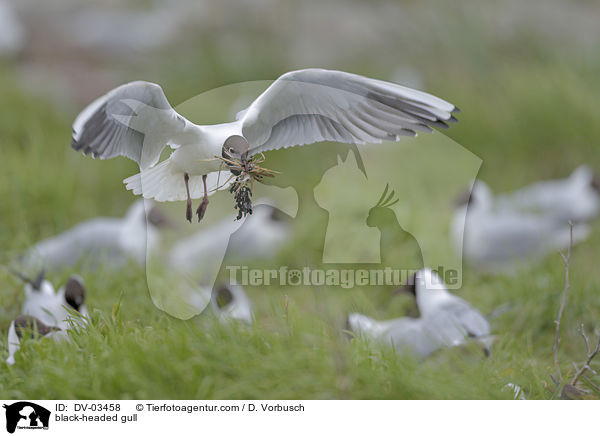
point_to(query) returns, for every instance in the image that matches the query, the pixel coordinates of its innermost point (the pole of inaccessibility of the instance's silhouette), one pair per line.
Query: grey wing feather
(105, 137)
(469, 318)
(117, 124)
(305, 129)
(314, 104)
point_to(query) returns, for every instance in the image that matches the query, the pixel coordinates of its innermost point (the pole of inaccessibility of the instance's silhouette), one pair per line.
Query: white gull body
(575, 198)
(495, 237)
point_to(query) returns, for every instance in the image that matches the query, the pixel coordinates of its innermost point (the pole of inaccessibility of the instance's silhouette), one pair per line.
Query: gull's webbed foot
(202, 209)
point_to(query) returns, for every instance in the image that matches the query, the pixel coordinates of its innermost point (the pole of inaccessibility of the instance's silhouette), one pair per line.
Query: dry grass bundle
(244, 174)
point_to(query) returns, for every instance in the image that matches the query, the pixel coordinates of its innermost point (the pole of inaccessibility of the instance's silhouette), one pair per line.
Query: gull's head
(595, 184)
(75, 292)
(463, 199)
(236, 148)
(480, 196)
(230, 302)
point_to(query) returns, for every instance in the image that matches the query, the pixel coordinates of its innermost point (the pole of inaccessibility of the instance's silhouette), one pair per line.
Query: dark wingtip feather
(452, 119)
(75, 145)
(407, 132)
(439, 124)
(422, 127)
(456, 110)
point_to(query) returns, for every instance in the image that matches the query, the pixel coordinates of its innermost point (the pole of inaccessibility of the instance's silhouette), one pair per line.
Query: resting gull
(496, 236)
(113, 240)
(575, 198)
(54, 308)
(446, 321)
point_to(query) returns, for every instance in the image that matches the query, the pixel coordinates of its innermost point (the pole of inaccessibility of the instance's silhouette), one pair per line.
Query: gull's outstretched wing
(467, 317)
(313, 105)
(134, 120)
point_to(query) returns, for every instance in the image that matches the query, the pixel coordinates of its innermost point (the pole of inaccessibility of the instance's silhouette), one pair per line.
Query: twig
(563, 303)
(251, 168)
(591, 384)
(590, 356)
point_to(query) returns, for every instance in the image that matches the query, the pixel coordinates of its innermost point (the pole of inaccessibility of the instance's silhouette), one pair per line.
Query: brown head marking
(74, 293)
(224, 297)
(25, 323)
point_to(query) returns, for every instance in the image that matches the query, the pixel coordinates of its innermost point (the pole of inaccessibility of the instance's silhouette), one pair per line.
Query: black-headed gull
(52, 308)
(446, 321)
(575, 198)
(113, 240)
(301, 107)
(230, 302)
(495, 237)
(25, 323)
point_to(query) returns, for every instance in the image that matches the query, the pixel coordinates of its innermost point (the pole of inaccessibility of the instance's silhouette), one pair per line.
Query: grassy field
(528, 114)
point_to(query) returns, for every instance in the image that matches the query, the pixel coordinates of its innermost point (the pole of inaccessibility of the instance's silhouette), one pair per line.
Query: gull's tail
(163, 183)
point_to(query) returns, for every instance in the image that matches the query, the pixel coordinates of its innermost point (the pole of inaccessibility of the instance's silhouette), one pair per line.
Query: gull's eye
(231, 150)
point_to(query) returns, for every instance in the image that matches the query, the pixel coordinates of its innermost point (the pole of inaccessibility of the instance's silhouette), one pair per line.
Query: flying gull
(301, 107)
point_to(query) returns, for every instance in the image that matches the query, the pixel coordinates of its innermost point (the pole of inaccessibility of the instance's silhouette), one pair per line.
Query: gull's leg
(188, 209)
(202, 208)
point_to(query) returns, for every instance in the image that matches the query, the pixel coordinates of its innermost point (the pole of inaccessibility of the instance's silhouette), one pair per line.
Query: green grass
(527, 118)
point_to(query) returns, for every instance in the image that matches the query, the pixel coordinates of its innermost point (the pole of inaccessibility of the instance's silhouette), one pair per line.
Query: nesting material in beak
(245, 171)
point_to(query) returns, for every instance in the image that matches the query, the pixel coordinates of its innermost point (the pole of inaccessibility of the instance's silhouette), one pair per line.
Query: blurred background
(524, 73)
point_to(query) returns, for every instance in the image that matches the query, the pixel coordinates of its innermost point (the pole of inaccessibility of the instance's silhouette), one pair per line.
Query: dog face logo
(26, 415)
